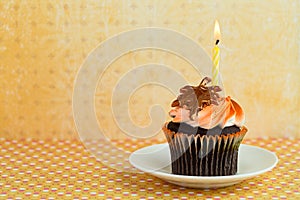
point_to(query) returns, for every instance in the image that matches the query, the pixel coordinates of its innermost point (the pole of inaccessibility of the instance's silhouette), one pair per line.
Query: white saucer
(155, 160)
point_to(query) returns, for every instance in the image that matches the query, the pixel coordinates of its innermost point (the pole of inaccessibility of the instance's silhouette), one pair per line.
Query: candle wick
(217, 42)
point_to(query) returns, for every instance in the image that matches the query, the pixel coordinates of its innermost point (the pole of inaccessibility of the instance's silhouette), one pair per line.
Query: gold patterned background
(44, 43)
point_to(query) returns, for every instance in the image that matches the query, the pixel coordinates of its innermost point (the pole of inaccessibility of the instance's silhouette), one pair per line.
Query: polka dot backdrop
(63, 169)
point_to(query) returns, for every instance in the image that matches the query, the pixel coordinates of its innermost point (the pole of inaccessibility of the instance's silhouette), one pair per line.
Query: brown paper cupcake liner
(208, 155)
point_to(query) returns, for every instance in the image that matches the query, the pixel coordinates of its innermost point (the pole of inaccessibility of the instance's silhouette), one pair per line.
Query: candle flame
(217, 32)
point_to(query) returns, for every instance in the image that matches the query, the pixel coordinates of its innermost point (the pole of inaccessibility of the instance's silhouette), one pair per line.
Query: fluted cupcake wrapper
(208, 155)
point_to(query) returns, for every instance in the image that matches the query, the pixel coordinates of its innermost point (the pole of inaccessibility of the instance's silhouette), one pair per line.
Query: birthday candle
(216, 55)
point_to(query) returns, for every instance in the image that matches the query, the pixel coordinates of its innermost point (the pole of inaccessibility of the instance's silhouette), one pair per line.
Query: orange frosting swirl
(207, 112)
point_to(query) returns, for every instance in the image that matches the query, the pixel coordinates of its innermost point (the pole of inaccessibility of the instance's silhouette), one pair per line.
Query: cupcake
(205, 132)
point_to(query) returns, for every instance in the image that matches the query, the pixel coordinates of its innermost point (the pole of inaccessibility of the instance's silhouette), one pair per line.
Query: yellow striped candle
(216, 55)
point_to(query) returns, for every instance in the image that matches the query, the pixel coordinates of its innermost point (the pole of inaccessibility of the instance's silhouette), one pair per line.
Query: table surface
(64, 169)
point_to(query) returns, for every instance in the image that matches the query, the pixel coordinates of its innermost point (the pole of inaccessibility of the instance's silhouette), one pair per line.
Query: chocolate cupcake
(205, 133)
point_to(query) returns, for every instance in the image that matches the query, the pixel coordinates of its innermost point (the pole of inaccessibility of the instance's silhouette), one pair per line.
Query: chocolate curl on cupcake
(196, 98)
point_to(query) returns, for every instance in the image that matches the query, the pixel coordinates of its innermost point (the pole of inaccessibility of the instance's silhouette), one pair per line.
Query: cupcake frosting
(202, 106)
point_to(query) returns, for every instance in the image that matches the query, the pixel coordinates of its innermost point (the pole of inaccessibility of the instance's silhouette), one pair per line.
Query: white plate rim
(176, 177)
